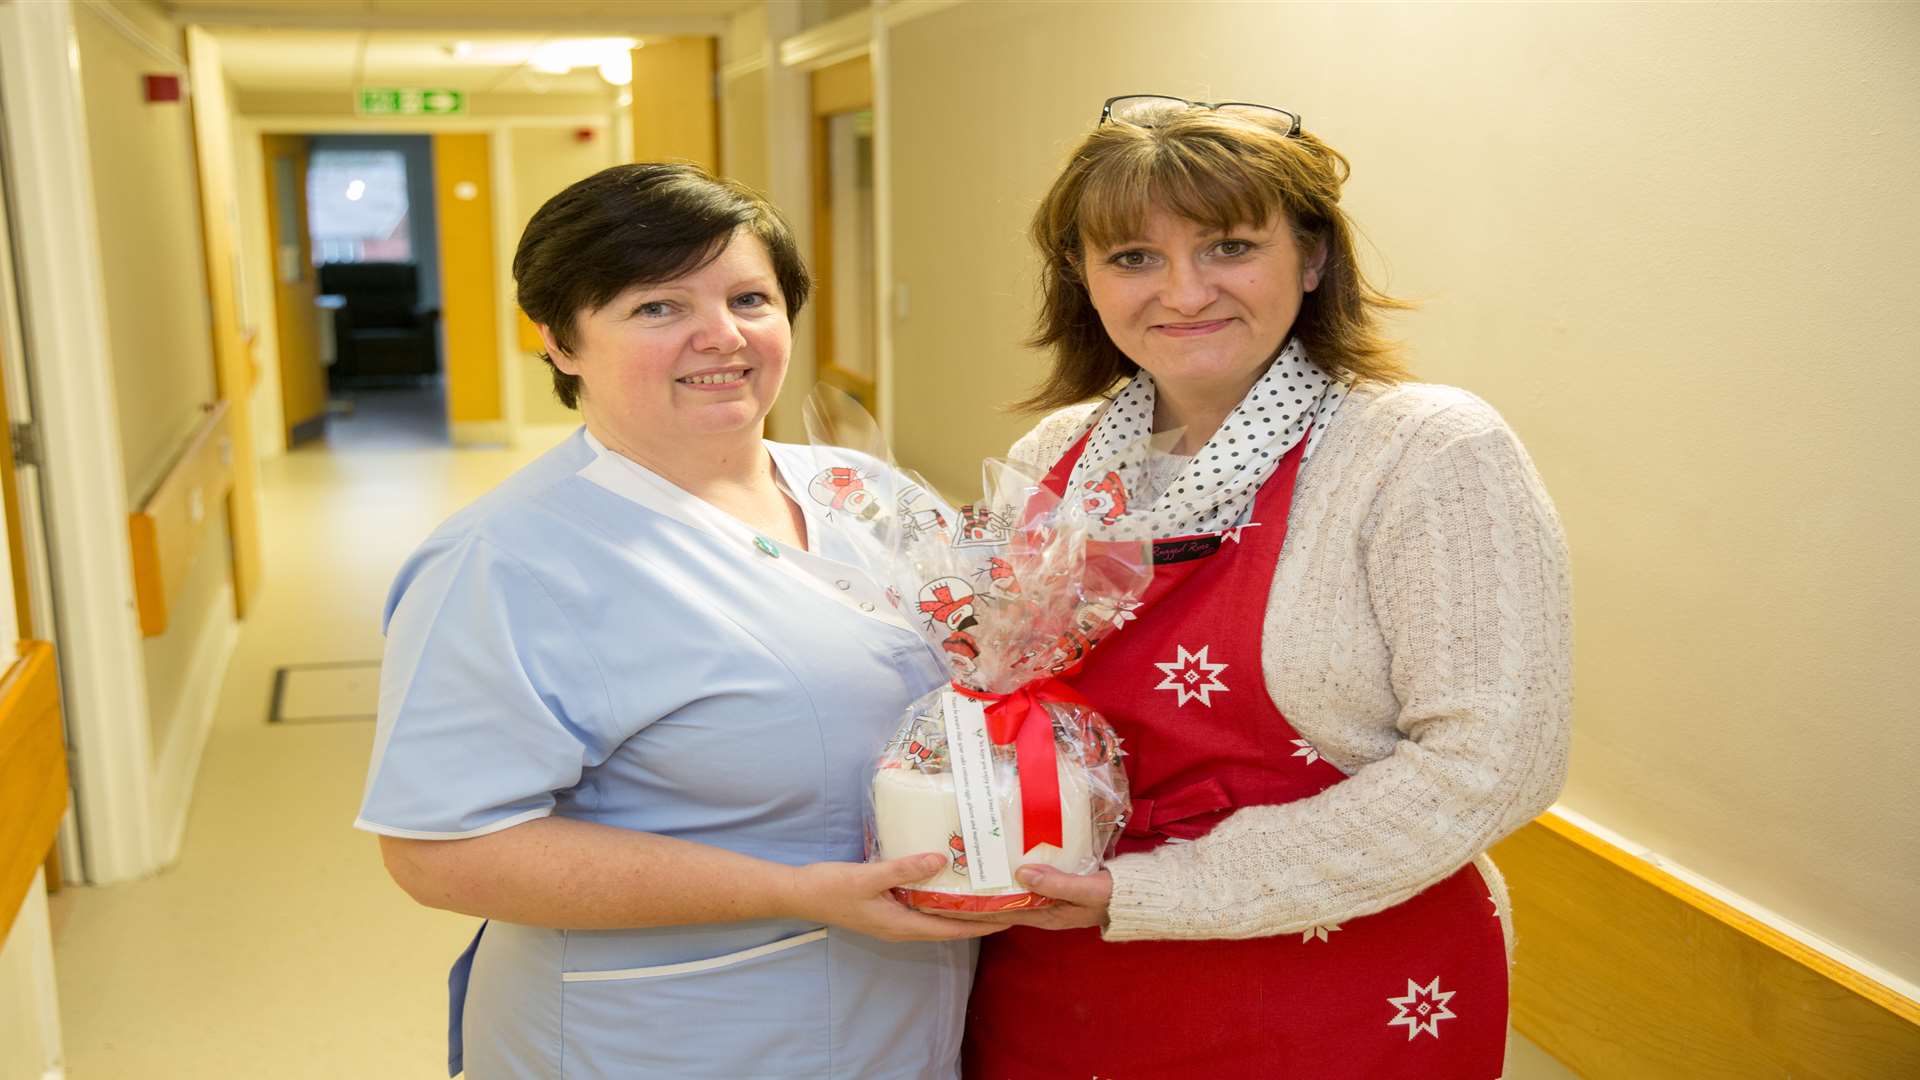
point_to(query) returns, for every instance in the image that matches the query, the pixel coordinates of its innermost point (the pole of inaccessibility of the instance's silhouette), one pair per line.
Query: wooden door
(469, 302)
(845, 321)
(234, 368)
(303, 381)
(675, 116)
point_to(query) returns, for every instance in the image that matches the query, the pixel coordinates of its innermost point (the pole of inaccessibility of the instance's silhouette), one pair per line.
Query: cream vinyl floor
(276, 947)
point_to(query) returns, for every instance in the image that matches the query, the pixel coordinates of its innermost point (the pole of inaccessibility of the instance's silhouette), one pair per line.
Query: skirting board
(178, 762)
(1624, 970)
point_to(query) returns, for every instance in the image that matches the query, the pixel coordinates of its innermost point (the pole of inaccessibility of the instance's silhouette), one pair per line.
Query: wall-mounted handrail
(167, 529)
(1623, 969)
(33, 773)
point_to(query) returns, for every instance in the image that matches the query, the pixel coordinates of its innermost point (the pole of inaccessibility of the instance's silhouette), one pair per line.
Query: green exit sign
(372, 101)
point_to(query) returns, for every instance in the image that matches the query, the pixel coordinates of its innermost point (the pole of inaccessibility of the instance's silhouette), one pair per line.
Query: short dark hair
(639, 225)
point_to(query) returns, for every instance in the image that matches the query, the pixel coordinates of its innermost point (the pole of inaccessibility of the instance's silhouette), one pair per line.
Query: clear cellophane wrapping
(1013, 590)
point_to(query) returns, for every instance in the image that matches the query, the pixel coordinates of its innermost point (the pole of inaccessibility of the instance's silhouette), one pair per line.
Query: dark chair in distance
(381, 333)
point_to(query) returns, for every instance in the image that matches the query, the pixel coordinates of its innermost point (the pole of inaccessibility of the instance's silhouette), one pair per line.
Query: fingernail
(1029, 878)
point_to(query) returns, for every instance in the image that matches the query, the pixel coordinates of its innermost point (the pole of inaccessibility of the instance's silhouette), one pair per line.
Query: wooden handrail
(1624, 970)
(33, 773)
(166, 531)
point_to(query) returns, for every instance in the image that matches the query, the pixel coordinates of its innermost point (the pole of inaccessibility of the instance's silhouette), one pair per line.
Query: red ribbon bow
(1020, 718)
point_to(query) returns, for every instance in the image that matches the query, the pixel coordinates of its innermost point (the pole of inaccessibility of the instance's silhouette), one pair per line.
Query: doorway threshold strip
(325, 693)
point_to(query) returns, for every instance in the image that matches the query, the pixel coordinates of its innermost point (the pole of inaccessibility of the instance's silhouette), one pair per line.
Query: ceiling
(639, 16)
(497, 61)
(292, 45)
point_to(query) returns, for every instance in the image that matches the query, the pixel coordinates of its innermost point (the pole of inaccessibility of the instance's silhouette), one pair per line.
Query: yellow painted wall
(469, 305)
(1677, 245)
(545, 161)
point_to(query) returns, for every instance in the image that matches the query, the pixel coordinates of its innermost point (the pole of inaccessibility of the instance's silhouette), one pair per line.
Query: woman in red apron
(1375, 559)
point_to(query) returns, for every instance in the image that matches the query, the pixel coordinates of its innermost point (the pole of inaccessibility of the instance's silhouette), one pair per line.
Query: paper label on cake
(981, 827)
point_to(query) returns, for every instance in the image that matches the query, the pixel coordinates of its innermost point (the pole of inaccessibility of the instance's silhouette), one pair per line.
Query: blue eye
(752, 299)
(653, 309)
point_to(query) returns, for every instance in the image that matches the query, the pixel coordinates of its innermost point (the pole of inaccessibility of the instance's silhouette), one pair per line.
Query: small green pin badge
(766, 545)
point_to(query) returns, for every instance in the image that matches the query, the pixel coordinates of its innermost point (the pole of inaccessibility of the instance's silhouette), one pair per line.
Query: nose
(1186, 289)
(719, 334)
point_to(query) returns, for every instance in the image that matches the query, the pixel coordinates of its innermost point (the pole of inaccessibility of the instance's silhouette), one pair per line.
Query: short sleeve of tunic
(490, 698)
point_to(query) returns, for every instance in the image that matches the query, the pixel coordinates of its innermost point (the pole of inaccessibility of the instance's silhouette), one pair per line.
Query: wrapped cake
(917, 806)
(1006, 765)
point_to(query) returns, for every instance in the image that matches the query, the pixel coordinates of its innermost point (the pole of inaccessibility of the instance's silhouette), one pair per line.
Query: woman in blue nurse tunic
(630, 696)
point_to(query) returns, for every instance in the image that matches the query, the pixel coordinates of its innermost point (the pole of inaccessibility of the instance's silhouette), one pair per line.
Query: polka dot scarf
(1215, 490)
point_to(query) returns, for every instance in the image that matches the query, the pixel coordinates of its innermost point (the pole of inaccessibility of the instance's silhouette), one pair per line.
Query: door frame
(258, 262)
(63, 306)
(835, 90)
(298, 294)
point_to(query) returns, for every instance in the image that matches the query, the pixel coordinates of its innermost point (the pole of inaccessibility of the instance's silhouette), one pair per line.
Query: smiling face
(1203, 311)
(676, 365)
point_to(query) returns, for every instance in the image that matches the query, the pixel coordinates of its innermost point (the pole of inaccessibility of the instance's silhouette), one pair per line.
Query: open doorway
(371, 228)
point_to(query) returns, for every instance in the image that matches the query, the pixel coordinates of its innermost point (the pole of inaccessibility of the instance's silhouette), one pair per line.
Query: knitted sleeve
(1465, 570)
(1047, 440)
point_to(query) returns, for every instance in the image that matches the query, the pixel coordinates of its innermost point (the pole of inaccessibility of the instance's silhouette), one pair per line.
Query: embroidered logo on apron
(1191, 676)
(1422, 1008)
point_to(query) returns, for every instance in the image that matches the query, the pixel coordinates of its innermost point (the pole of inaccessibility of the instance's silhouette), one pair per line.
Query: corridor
(275, 946)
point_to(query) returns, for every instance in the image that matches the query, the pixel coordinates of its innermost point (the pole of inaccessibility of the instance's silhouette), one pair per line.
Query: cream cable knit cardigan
(1418, 636)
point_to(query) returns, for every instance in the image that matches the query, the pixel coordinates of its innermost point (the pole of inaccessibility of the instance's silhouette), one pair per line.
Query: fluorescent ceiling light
(564, 55)
(617, 69)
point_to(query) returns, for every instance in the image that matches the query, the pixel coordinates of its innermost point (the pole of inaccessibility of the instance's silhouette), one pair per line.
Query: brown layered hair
(639, 225)
(1218, 170)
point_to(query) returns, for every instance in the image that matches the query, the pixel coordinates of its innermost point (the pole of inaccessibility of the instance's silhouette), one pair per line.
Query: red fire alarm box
(163, 88)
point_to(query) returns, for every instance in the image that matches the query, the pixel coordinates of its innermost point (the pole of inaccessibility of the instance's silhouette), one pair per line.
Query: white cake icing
(916, 812)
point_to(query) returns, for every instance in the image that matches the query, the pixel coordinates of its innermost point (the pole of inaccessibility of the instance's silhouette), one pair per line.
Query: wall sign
(375, 101)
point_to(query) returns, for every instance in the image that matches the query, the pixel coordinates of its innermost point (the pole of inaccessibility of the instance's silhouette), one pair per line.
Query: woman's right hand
(858, 897)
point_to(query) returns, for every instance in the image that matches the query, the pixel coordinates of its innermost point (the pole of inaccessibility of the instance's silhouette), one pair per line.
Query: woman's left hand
(1080, 899)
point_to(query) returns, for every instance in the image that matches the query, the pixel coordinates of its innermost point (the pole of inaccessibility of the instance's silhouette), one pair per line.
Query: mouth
(723, 379)
(1192, 329)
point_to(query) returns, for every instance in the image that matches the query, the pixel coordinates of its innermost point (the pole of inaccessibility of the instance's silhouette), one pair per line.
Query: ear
(559, 356)
(1075, 263)
(1316, 266)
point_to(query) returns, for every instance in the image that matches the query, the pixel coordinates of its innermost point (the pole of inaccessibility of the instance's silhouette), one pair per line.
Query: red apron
(1418, 990)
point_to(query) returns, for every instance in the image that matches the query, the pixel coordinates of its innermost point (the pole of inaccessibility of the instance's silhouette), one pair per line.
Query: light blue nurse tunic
(590, 641)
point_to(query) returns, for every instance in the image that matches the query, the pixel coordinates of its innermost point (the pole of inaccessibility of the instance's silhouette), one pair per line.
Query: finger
(934, 926)
(906, 870)
(1017, 917)
(1073, 888)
